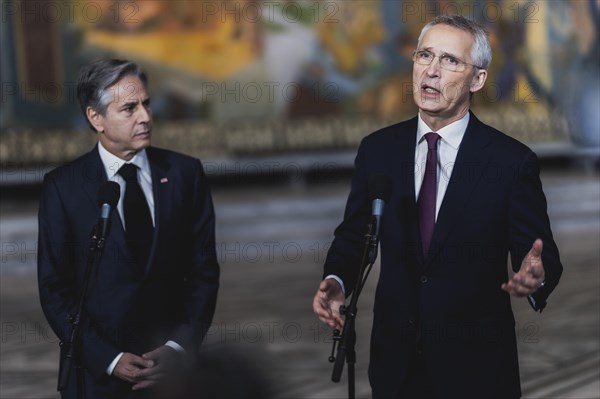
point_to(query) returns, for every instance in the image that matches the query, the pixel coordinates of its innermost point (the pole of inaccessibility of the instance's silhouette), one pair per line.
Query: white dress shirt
(448, 145)
(112, 164)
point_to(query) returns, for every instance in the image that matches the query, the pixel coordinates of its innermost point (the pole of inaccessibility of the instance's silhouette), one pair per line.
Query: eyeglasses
(447, 61)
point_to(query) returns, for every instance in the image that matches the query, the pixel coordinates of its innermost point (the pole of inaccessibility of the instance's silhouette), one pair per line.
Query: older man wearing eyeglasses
(464, 197)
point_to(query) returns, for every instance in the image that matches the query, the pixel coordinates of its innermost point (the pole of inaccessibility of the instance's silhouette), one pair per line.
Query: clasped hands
(147, 370)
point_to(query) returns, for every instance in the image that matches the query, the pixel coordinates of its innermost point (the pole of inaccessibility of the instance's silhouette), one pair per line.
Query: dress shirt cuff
(175, 346)
(113, 364)
(537, 305)
(339, 280)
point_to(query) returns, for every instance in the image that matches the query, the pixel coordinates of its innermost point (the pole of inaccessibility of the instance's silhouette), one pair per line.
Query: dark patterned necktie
(427, 195)
(138, 221)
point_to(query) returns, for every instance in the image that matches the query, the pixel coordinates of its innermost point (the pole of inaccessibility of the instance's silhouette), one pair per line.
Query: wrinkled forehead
(129, 89)
(448, 39)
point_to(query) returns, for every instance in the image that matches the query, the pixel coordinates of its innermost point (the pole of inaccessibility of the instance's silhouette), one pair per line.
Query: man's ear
(478, 80)
(95, 119)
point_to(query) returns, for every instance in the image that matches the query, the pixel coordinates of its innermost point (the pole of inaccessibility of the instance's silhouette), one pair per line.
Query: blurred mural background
(274, 97)
(244, 77)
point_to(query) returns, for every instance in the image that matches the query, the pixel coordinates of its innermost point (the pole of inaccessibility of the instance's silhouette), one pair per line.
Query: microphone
(108, 197)
(380, 190)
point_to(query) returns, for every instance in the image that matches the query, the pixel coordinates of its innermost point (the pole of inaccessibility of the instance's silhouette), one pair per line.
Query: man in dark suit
(463, 197)
(152, 296)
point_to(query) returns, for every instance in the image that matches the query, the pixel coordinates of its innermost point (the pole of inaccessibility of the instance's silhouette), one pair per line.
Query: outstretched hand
(530, 276)
(327, 302)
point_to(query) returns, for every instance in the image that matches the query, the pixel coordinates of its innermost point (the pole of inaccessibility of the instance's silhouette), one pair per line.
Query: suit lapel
(94, 175)
(404, 162)
(162, 188)
(470, 163)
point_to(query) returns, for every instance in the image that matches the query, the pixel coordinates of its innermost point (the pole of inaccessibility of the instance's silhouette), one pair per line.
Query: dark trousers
(416, 384)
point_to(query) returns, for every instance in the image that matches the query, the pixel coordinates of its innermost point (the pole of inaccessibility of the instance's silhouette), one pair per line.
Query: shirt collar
(451, 134)
(113, 163)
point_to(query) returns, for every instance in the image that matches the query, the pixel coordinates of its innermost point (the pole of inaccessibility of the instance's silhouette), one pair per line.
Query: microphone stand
(346, 340)
(73, 347)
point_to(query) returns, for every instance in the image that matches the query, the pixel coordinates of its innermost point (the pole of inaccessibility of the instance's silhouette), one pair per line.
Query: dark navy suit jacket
(447, 307)
(130, 307)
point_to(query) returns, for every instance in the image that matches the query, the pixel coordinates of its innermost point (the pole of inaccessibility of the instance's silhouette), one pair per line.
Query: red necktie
(427, 195)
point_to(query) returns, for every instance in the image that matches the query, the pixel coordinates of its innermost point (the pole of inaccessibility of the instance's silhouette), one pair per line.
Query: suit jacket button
(423, 279)
(411, 322)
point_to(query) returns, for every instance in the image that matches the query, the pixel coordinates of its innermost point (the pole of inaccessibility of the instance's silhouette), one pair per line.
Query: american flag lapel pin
(164, 180)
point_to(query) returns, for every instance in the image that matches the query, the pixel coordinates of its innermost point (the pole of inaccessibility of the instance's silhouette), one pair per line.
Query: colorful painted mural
(281, 61)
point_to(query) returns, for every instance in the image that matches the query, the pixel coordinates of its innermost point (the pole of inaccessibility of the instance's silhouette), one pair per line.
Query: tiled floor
(271, 243)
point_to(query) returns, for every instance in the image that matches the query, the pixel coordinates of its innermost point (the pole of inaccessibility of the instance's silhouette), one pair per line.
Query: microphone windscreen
(109, 193)
(380, 187)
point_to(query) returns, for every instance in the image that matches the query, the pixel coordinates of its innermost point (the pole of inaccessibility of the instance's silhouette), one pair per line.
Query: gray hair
(97, 77)
(481, 52)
